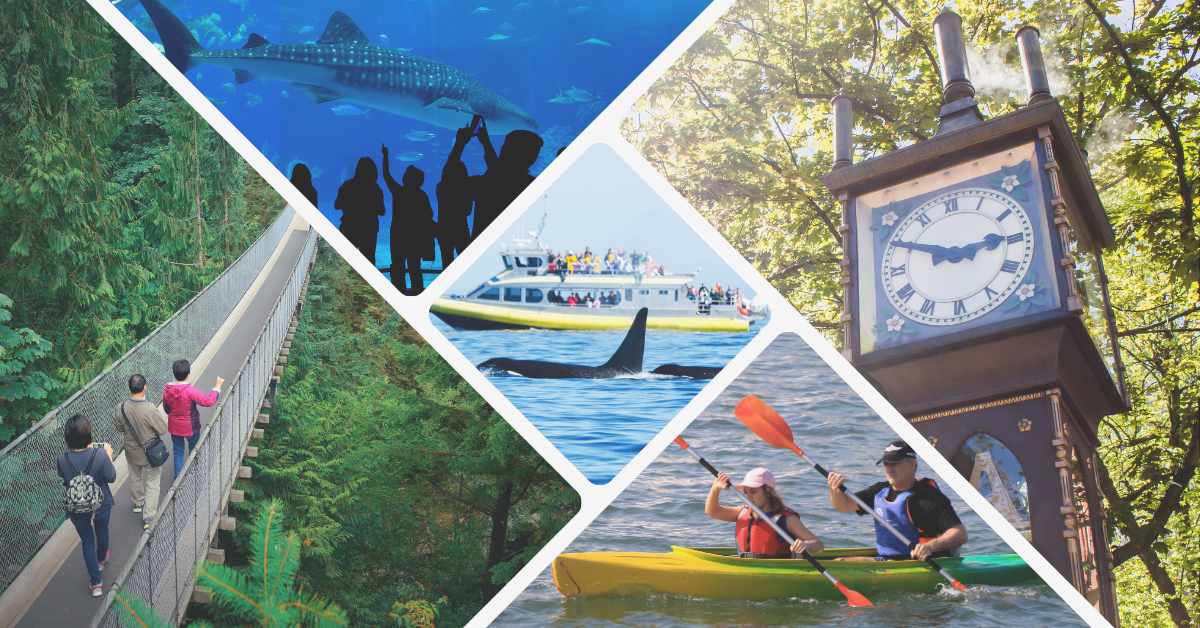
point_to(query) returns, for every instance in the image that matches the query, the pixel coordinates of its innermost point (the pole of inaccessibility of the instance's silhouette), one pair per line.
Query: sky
(602, 203)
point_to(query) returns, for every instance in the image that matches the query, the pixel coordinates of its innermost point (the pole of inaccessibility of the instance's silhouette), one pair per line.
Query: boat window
(629, 294)
(676, 295)
(512, 295)
(491, 294)
(664, 292)
(534, 262)
(533, 295)
(520, 264)
(507, 262)
(643, 292)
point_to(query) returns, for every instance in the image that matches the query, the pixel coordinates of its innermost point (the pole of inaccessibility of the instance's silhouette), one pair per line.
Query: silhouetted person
(412, 227)
(361, 201)
(455, 202)
(302, 179)
(507, 174)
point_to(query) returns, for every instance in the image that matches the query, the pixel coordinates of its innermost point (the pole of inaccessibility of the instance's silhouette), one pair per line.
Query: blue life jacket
(896, 513)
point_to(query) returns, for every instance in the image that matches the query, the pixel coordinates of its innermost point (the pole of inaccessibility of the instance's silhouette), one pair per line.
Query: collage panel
(208, 417)
(369, 99)
(604, 315)
(950, 198)
(667, 550)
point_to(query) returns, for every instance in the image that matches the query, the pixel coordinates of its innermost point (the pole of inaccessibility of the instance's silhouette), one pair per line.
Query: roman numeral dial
(955, 257)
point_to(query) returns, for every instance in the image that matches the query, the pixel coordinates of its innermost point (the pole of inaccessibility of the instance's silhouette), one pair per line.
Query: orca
(694, 372)
(626, 361)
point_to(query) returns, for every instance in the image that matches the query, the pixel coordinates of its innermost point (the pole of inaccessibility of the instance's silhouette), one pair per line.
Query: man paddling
(917, 508)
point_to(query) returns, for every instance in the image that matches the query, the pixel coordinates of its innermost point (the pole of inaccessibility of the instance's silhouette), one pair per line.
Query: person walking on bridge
(180, 401)
(87, 470)
(148, 424)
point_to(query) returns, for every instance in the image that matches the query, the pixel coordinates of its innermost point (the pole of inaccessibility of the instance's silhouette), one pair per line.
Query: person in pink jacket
(180, 401)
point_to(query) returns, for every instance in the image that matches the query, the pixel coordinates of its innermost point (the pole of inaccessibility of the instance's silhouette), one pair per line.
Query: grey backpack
(83, 493)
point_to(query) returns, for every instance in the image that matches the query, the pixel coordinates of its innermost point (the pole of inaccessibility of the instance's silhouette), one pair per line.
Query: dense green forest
(399, 481)
(119, 203)
(740, 126)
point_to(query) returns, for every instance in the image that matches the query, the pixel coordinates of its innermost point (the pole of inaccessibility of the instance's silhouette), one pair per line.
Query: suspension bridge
(239, 328)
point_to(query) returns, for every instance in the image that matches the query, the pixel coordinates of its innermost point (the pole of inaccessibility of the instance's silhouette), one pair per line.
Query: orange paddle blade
(765, 422)
(854, 597)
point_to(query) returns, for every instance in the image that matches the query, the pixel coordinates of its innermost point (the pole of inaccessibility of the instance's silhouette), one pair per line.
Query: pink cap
(758, 477)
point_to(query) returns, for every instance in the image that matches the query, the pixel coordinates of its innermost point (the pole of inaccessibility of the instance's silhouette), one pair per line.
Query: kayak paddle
(771, 427)
(854, 597)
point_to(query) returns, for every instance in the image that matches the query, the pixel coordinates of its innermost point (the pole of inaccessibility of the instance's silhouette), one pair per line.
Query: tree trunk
(499, 532)
(1164, 584)
(199, 228)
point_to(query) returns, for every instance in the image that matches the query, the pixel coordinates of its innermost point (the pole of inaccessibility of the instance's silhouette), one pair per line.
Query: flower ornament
(884, 218)
(1029, 294)
(1013, 180)
(892, 327)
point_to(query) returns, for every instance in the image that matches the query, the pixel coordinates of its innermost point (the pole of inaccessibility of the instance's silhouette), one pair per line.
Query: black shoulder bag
(156, 450)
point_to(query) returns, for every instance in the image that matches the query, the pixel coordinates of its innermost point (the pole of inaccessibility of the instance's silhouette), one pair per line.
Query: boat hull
(704, 574)
(464, 314)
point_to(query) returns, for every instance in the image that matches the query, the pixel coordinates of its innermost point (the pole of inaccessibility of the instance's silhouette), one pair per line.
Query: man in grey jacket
(143, 478)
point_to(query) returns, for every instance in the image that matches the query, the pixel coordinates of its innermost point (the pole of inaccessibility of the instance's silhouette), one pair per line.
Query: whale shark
(344, 64)
(626, 361)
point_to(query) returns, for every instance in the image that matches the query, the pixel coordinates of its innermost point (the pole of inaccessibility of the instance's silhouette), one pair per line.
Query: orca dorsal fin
(342, 30)
(628, 357)
(255, 41)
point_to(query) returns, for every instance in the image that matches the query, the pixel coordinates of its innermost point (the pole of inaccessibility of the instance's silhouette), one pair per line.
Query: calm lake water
(664, 506)
(598, 424)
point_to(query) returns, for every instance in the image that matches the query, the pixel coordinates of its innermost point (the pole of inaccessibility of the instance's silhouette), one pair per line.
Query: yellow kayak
(716, 572)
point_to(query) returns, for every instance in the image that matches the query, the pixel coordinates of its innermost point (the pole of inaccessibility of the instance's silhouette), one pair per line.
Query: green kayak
(716, 572)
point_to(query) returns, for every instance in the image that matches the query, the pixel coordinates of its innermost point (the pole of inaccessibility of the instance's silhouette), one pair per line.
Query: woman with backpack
(87, 470)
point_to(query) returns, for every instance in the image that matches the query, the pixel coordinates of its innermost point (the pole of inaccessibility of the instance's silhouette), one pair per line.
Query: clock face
(957, 256)
(964, 247)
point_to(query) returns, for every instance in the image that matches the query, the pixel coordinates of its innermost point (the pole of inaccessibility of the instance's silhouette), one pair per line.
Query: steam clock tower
(975, 300)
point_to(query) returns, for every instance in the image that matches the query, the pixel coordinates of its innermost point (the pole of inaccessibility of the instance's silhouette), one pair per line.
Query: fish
(236, 38)
(580, 95)
(404, 49)
(524, 6)
(530, 38)
(216, 101)
(345, 65)
(507, 27)
(419, 136)
(497, 37)
(252, 19)
(229, 87)
(199, 76)
(578, 10)
(348, 110)
(481, 11)
(409, 155)
(252, 99)
(306, 30)
(384, 41)
(273, 27)
(211, 41)
(593, 40)
(160, 48)
(283, 94)
(316, 172)
(562, 99)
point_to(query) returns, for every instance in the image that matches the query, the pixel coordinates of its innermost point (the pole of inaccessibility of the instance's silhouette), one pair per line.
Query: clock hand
(939, 253)
(989, 243)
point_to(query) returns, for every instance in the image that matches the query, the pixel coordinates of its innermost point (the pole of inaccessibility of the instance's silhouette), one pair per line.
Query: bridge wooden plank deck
(66, 598)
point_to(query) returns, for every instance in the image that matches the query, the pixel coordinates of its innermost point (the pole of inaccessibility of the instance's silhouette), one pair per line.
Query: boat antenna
(542, 226)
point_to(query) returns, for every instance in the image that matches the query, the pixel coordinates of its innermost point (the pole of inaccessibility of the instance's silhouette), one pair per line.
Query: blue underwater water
(598, 424)
(560, 61)
(664, 506)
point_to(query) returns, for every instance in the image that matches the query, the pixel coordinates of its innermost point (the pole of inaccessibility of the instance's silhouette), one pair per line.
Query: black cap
(896, 451)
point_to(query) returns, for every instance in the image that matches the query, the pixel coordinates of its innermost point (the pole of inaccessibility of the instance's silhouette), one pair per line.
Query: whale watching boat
(537, 291)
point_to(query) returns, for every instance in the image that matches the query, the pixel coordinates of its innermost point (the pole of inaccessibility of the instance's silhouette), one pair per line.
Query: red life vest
(757, 539)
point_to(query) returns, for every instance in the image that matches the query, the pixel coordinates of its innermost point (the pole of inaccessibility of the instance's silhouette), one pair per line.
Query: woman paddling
(755, 538)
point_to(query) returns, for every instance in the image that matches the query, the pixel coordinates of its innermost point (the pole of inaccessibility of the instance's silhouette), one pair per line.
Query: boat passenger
(573, 300)
(755, 537)
(917, 508)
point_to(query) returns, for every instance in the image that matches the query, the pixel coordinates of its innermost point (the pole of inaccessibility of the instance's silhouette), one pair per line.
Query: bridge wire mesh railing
(31, 491)
(162, 569)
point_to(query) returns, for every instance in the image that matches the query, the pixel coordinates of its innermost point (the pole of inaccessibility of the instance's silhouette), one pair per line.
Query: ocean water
(664, 506)
(598, 424)
(577, 53)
